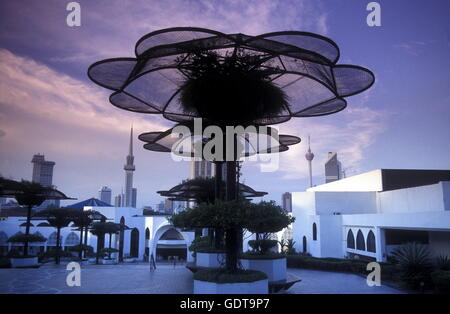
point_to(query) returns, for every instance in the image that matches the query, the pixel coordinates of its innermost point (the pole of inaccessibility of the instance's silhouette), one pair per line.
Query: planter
(210, 260)
(275, 269)
(108, 261)
(92, 260)
(256, 287)
(129, 260)
(24, 262)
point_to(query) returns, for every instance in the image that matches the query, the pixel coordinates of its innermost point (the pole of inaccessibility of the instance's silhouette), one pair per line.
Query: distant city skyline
(48, 104)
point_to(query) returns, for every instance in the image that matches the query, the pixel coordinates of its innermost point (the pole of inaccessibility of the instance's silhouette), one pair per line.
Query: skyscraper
(333, 168)
(43, 174)
(129, 169)
(286, 199)
(202, 169)
(309, 157)
(42, 170)
(104, 194)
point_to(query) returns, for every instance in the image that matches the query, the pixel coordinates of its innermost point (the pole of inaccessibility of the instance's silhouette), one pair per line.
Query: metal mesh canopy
(255, 141)
(302, 64)
(191, 191)
(11, 188)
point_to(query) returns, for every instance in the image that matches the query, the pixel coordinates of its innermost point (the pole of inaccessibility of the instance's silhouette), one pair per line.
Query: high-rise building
(309, 157)
(133, 197)
(104, 194)
(333, 168)
(202, 169)
(42, 170)
(129, 169)
(286, 199)
(168, 206)
(118, 200)
(43, 174)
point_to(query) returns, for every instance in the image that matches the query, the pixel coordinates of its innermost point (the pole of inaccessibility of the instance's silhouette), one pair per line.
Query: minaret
(309, 157)
(129, 168)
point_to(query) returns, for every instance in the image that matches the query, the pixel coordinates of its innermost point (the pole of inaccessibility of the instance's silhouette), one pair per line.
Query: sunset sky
(48, 105)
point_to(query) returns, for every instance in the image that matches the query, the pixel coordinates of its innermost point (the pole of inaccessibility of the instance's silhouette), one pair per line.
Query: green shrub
(441, 281)
(22, 238)
(389, 272)
(262, 246)
(257, 255)
(443, 262)
(4, 262)
(415, 265)
(83, 247)
(210, 250)
(222, 276)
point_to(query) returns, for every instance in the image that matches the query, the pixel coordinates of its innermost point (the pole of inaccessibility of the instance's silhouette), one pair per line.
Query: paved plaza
(137, 278)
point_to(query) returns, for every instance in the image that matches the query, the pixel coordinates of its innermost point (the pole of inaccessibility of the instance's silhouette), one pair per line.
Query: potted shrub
(129, 259)
(206, 254)
(18, 260)
(107, 259)
(231, 216)
(219, 281)
(82, 250)
(266, 218)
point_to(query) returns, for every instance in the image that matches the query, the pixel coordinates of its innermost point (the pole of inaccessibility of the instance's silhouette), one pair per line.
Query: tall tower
(333, 168)
(129, 169)
(309, 157)
(42, 170)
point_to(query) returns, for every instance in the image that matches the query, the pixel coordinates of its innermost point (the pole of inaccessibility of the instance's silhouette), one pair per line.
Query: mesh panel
(250, 143)
(351, 80)
(303, 65)
(111, 73)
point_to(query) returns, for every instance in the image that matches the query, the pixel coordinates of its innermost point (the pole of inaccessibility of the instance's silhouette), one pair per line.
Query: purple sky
(48, 105)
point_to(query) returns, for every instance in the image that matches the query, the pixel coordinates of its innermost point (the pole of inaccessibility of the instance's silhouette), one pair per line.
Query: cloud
(111, 28)
(349, 133)
(414, 48)
(45, 111)
(2, 133)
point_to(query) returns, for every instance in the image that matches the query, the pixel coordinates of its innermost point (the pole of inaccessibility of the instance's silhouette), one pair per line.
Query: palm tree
(83, 220)
(31, 194)
(101, 228)
(58, 218)
(28, 194)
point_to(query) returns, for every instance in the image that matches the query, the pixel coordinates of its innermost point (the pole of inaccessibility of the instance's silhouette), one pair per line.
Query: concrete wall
(426, 198)
(366, 182)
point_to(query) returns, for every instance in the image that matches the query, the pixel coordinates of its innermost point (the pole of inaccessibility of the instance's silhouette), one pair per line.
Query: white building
(145, 235)
(372, 213)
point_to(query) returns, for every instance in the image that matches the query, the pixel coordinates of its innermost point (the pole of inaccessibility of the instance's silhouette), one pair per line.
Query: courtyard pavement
(137, 278)
(324, 282)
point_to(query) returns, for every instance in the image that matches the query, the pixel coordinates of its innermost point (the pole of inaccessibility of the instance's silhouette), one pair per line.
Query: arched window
(52, 239)
(147, 234)
(71, 239)
(121, 238)
(171, 234)
(360, 243)
(134, 243)
(305, 248)
(371, 242)
(350, 239)
(3, 239)
(314, 231)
